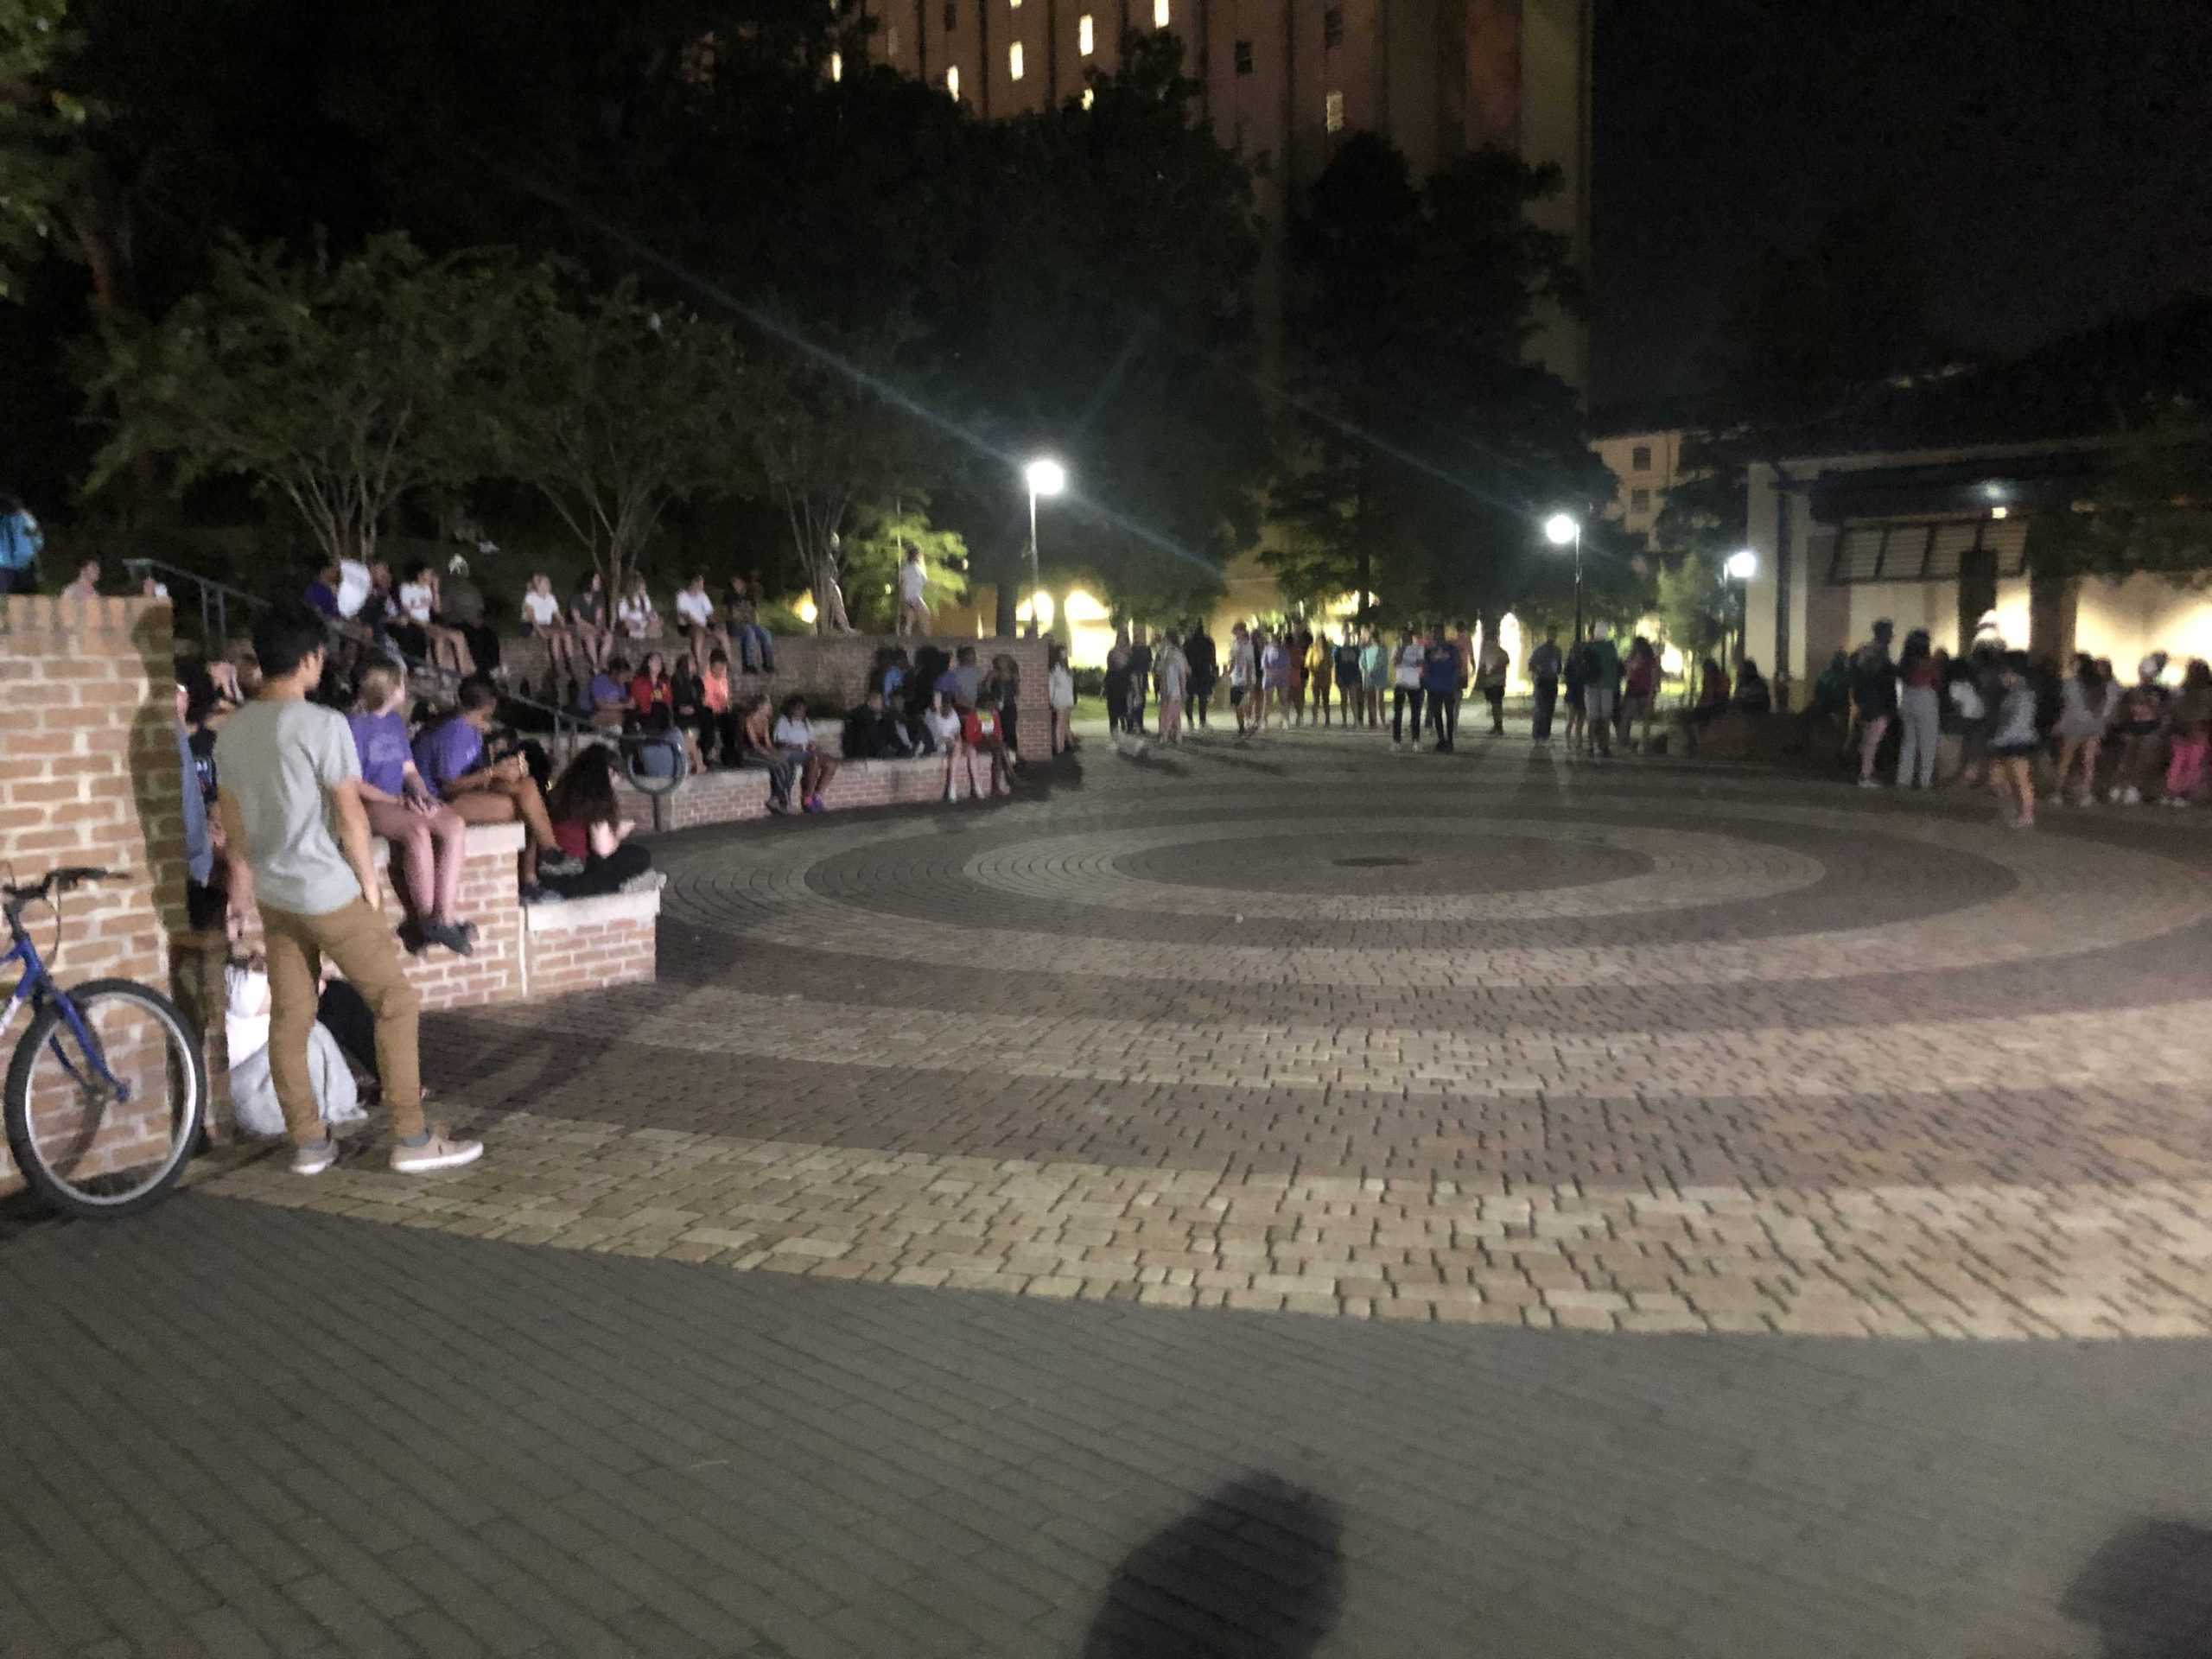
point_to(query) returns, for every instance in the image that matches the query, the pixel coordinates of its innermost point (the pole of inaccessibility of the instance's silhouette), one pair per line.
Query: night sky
(2054, 157)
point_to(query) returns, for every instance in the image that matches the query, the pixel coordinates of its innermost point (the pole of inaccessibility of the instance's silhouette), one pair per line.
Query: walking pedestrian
(2085, 705)
(1405, 675)
(1490, 676)
(2013, 742)
(1243, 680)
(1171, 670)
(1544, 666)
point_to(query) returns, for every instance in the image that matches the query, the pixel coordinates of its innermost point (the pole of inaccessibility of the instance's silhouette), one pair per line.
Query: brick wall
(89, 775)
(830, 667)
(735, 797)
(588, 943)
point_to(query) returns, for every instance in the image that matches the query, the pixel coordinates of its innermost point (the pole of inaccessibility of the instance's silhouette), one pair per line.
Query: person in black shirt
(1205, 670)
(873, 732)
(1140, 683)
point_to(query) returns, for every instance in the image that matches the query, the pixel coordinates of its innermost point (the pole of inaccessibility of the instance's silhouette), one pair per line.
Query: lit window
(1089, 97)
(1160, 9)
(1243, 57)
(1639, 459)
(1086, 38)
(1332, 26)
(1013, 61)
(952, 80)
(1333, 112)
(836, 66)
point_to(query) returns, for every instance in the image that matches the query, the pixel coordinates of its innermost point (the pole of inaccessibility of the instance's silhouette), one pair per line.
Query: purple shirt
(381, 741)
(323, 597)
(446, 750)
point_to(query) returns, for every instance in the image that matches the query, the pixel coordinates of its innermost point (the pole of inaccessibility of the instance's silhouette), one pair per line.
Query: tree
(339, 386)
(37, 121)
(883, 534)
(2149, 510)
(1427, 445)
(622, 409)
(1695, 604)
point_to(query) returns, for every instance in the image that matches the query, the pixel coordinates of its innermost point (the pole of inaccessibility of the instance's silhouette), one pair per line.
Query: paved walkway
(1115, 1180)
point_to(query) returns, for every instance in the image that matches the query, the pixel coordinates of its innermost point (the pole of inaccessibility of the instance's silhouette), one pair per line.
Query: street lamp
(1045, 476)
(1743, 564)
(1559, 529)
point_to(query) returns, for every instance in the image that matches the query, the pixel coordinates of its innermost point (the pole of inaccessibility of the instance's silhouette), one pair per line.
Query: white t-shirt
(698, 610)
(353, 584)
(414, 601)
(792, 733)
(636, 616)
(543, 609)
(1059, 687)
(1240, 662)
(1410, 660)
(913, 581)
(944, 726)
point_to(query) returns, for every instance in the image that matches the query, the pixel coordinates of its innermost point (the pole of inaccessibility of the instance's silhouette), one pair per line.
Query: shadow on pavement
(1255, 1570)
(2148, 1593)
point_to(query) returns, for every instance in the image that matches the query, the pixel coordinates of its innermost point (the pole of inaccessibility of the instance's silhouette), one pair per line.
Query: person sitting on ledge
(873, 732)
(606, 699)
(452, 758)
(756, 651)
(795, 740)
(592, 830)
(756, 747)
(428, 841)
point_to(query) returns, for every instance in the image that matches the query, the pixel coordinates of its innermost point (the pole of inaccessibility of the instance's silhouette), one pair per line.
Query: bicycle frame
(35, 986)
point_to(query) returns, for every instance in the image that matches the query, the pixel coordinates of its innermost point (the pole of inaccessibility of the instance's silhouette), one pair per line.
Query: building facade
(1647, 465)
(1941, 539)
(1283, 80)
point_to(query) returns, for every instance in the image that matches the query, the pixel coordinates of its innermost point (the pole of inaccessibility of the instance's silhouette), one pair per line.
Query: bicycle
(107, 1092)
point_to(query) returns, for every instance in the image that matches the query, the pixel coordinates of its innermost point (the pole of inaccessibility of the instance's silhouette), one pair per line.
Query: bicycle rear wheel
(102, 1112)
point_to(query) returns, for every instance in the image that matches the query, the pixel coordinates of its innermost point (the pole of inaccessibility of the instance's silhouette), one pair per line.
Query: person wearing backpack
(19, 542)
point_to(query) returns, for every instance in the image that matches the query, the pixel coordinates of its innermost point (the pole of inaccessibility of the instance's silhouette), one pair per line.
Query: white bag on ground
(254, 1106)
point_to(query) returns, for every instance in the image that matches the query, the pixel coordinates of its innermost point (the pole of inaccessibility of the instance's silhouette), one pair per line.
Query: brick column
(89, 775)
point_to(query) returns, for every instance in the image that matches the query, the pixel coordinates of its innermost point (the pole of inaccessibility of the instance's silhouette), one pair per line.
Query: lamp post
(1045, 476)
(1743, 564)
(1559, 529)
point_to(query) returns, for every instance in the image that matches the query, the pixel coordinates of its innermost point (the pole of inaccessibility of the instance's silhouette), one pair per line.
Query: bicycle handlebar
(68, 876)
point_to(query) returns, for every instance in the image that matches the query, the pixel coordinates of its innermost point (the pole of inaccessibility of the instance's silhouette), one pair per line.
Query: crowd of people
(1295, 676)
(2082, 734)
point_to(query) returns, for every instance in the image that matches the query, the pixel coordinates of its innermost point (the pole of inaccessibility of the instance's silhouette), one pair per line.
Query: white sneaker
(314, 1160)
(1870, 783)
(2133, 798)
(439, 1152)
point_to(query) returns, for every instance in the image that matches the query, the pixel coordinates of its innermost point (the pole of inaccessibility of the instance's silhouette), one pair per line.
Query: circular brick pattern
(1355, 865)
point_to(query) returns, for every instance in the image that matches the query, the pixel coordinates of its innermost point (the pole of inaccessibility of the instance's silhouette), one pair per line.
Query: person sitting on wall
(605, 700)
(756, 651)
(593, 832)
(487, 788)
(875, 732)
(795, 739)
(428, 841)
(756, 747)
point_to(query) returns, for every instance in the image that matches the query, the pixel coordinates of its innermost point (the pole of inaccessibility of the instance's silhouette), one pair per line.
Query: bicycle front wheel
(104, 1108)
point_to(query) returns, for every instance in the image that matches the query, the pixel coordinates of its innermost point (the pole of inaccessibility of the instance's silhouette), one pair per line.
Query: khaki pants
(358, 943)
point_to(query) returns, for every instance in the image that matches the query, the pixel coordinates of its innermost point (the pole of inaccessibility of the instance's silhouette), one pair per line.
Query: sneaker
(532, 893)
(645, 881)
(314, 1158)
(450, 934)
(2174, 800)
(414, 936)
(559, 864)
(2133, 798)
(439, 1152)
(814, 804)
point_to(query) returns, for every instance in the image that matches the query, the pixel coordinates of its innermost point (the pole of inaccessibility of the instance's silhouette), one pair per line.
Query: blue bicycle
(108, 1090)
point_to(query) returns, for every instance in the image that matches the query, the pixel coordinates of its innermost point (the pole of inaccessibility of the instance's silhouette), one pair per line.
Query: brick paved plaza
(1263, 1200)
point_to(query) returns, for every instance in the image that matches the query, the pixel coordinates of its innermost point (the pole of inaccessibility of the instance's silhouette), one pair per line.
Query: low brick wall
(734, 796)
(836, 668)
(89, 775)
(523, 952)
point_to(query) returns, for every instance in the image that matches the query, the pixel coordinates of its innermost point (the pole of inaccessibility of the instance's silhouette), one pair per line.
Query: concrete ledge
(736, 797)
(571, 914)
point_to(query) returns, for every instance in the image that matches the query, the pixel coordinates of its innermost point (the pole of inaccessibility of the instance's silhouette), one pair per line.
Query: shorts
(1600, 700)
(2014, 751)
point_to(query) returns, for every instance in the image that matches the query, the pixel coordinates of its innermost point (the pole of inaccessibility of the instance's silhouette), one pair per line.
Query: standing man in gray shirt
(288, 783)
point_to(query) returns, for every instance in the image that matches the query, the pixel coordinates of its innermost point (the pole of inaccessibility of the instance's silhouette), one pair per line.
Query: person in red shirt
(652, 698)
